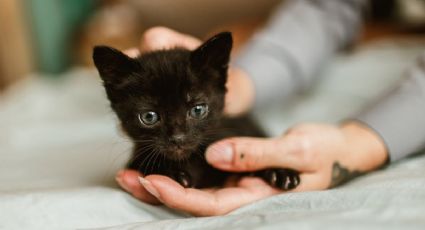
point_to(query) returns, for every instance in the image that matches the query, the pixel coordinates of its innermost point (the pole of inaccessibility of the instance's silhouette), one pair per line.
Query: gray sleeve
(300, 36)
(399, 117)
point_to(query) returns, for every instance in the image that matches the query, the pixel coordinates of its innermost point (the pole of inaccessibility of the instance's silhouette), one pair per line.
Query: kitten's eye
(148, 118)
(199, 111)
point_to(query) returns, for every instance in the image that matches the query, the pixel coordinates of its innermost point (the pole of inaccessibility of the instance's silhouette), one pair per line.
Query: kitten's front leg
(285, 179)
(182, 177)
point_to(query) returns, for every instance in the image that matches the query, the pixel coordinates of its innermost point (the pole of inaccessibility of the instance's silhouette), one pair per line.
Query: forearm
(399, 116)
(366, 149)
(284, 57)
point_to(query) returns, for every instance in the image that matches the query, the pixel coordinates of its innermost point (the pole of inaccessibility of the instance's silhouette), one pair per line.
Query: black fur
(171, 83)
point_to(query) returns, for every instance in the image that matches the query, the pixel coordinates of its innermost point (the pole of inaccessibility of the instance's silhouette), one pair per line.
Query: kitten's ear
(112, 64)
(215, 52)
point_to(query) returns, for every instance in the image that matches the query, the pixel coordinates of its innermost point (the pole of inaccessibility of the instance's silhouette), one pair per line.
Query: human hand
(157, 189)
(325, 156)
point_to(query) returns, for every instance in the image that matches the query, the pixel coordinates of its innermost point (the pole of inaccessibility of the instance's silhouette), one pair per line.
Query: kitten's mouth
(177, 152)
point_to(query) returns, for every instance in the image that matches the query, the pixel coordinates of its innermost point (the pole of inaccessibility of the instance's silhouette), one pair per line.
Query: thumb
(250, 154)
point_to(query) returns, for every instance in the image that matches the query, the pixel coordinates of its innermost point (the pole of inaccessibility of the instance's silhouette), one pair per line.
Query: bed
(60, 148)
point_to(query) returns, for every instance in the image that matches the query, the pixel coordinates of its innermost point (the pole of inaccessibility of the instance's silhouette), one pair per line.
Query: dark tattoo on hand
(341, 175)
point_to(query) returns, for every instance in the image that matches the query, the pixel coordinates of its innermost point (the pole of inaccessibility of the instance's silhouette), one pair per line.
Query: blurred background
(50, 36)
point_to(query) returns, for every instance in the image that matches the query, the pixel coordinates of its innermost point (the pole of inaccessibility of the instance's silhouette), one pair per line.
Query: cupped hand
(325, 155)
(157, 189)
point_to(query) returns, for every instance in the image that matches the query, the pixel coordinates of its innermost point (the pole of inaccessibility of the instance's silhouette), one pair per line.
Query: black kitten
(170, 104)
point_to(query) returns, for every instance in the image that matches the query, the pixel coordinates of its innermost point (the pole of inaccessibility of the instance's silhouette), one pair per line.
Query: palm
(206, 202)
(202, 202)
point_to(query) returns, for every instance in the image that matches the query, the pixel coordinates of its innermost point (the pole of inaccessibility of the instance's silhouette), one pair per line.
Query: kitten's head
(169, 100)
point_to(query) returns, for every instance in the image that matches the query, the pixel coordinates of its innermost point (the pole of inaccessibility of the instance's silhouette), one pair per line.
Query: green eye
(148, 118)
(199, 111)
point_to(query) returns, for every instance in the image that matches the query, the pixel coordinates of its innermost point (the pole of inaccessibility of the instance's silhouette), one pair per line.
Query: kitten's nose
(178, 138)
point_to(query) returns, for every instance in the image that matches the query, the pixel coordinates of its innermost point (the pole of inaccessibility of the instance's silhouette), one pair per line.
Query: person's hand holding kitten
(325, 155)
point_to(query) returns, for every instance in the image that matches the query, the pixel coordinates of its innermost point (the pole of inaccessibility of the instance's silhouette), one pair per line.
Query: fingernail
(148, 186)
(220, 153)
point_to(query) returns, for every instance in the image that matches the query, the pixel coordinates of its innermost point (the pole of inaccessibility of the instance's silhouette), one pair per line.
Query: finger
(129, 181)
(308, 182)
(251, 181)
(240, 93)
(132, 52)
(158, 38)
(249, 154)
(205, 203)
(312, 182)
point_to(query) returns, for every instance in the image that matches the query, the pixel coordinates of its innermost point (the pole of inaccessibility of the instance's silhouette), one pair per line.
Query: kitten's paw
(285, 179)
(182, 178)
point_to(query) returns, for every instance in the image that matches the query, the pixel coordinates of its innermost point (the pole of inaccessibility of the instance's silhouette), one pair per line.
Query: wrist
(366, 149)
(240, 93)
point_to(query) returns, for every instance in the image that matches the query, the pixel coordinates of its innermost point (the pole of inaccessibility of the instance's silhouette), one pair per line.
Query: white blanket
(60, 148)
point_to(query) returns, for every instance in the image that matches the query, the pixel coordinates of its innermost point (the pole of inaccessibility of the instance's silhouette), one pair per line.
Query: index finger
(128, 180)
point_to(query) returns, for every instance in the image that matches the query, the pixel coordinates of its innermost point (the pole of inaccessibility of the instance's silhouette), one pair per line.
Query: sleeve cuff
(399, 118)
